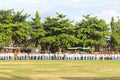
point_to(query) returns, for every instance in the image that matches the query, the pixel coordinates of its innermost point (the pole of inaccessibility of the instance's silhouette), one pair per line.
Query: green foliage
(10, 16)
(37, 32)
(6, 16)
(92, 31)
(115, 29)
(21, 33)
(58, 25)
(14, 33)
(18, 17)
(13, 27)
(55, 33)
(66, 40)
(47, 42)
(63, 30)
(36, 20)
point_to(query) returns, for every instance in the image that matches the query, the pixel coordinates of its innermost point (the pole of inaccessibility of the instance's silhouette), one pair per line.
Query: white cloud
(108, 14)
(29, 6)
(74, 9)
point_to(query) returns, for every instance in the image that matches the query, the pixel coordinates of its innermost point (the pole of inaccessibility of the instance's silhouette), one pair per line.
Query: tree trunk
(48, 48)
(60, 49)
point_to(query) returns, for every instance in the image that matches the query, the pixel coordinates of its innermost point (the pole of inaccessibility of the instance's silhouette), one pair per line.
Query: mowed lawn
(59, 70)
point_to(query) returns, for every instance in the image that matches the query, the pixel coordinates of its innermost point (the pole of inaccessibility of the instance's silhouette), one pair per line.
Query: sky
(74, 9)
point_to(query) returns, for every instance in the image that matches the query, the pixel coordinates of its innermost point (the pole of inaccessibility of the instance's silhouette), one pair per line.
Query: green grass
(59, 70)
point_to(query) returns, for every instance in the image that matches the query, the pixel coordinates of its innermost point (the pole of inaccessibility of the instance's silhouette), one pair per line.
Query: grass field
(59, 70)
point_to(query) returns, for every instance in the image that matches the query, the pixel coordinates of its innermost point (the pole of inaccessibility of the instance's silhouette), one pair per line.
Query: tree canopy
(115, 36)
(56, 33)
(92, 31)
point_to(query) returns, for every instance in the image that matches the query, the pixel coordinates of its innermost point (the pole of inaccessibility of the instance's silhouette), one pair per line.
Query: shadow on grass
(14, 77)
(91, 78)
(4, 78)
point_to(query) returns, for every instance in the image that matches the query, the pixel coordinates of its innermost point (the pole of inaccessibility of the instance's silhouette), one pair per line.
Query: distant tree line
(57, 33)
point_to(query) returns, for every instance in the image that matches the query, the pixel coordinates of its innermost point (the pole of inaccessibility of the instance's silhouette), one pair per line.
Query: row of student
(9, 56)
(67, 56)
(51, 56)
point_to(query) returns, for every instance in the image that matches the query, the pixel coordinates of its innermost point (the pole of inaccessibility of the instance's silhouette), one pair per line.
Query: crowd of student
(56, 56)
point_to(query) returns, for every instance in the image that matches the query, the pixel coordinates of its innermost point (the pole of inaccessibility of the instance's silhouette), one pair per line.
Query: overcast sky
(74, 9)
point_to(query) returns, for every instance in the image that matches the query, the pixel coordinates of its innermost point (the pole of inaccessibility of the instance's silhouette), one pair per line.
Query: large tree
(92, 31)
(63, 29)
(37, 31)
(13, 29)
(115, 29)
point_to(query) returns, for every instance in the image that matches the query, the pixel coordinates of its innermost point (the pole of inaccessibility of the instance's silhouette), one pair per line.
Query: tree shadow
(14, 77)
(4, 78)
(91, 78)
